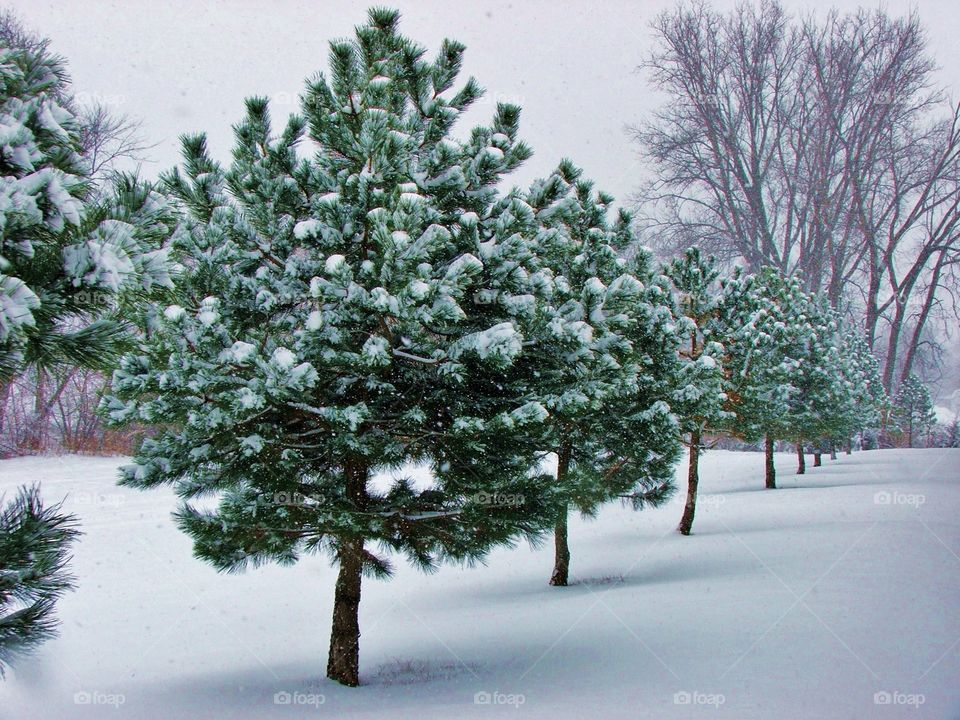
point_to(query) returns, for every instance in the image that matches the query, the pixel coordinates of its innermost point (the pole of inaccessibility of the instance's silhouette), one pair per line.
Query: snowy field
(837, 596)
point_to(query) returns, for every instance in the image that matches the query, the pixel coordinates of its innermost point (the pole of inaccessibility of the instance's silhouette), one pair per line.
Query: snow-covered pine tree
(698, 397)
(333, 323)
(66, 266)
(817, 409)
(63, 261)
(34, 551)
(764, 332)
(603, 346)
(867, 403)
(913, 413)
(953, 434)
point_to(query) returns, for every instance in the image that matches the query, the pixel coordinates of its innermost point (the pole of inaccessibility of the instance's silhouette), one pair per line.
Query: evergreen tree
(818, 407)
(699, 395)
(766, 335)
(333, 321)
(602, 347)
(913, 409)
(34, 545)
(40, 194)
(953, 434)
(66, 267)
(62, 261)
(866, 403)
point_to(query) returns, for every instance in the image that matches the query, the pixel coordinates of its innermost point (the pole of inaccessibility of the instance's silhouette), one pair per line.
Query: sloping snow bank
(836, 596)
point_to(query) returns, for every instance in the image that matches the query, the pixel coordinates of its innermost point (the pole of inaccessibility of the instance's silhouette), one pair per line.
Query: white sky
(184, 66)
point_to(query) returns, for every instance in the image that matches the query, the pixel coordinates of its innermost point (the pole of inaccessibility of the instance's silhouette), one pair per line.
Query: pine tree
(34, 545)
(866, 399)
(63, 261)
(334, 321)
(766, 335)
(67, 266)
(699, 395)
(818, 407)
(41, 190)
(913, 411)
(953, 434)
(602, 347)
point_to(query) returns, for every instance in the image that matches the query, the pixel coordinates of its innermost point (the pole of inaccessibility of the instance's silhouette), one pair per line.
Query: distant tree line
(819, 146)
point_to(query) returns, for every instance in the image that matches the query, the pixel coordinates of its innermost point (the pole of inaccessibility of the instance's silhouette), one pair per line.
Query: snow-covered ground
(837, 596)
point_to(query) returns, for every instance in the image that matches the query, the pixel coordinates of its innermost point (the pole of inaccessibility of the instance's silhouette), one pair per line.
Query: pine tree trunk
(771, 471)
(801, 459)
(833, 450)
(817, 458)
(561, 563)
(849, 448)
(693, 479)
(343, 661)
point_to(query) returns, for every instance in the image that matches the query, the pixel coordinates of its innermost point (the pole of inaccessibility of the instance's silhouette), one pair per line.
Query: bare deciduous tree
(718, 143)
(812, 146)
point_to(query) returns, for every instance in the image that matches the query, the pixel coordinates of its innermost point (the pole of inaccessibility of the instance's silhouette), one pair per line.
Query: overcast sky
(185, 66)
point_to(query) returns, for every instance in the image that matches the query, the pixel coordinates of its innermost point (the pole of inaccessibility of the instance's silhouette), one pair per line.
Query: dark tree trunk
(771, 471)
(893, 344)
(833, 450)
(343, 661)
(817, 458)
(928, 304)
(4, 395)
(693, 479)
(873, 292)
(849, 448)
(35, 436)
(801, 460)
(561, 563)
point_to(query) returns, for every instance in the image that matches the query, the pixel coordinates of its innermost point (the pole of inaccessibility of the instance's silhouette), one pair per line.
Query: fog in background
(187, 66)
